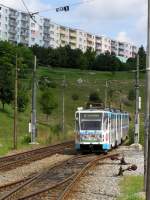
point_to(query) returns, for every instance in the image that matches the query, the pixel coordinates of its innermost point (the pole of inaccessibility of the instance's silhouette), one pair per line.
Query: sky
(125, 20)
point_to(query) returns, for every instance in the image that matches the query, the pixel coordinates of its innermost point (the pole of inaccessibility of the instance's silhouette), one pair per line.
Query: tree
(94, 97)
(131, 95)
(22, 98)
(90, 57)
(75, 97)
(6, 81)
(47, 102)
(142, 57)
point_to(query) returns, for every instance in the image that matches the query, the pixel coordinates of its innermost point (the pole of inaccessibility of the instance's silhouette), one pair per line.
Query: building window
(32, 25)
(6, 19)
(32, 32)
(33, 39)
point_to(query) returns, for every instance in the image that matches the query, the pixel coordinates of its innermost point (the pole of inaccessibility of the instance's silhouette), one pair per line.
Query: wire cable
(70, 5)
(30, 14)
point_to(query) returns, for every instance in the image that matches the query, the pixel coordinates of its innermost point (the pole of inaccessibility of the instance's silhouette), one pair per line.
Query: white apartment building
(18, 27)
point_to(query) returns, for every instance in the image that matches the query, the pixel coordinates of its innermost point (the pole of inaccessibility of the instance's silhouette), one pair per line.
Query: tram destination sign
(91, 116)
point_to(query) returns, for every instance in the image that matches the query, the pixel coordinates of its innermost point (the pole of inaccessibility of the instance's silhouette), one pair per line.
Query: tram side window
(105, 121)
(77, 122)
(113, 122)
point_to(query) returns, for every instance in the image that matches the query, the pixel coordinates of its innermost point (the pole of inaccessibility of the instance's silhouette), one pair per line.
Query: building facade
(18, 27)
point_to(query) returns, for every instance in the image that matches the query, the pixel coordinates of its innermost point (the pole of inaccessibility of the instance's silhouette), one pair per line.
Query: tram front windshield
(91, 121)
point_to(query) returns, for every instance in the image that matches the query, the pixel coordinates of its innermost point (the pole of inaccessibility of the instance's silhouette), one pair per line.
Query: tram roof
(101, 111)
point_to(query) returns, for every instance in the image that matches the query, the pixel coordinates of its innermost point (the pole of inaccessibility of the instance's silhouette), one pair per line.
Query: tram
(100, 129)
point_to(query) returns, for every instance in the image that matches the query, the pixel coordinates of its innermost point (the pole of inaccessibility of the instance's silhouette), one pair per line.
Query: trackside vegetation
(60, 73)
(131, 188)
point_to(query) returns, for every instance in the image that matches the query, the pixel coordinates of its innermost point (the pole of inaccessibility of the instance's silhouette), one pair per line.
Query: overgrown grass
(131, 186)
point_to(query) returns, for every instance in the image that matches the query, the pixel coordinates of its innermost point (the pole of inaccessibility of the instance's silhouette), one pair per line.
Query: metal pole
(33, 118)
(136, 125)
(147, 117)
(15, 105)
(63, 106)
(106, 87)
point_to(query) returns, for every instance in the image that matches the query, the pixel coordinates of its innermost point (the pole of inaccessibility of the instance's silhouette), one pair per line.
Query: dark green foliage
(26, 139)
(66, 57)
(46, 82)
(94, 97)
(75, 97)
(56, 129)
(23, 100)
(8, 54)
(142, 55)
(132, 62)
(131, 95)
(47, 102)
(107, 62)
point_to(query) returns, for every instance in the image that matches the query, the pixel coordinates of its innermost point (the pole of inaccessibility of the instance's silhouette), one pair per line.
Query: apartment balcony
(24, 33)
(12, 30)
(46, 38)
(46, 24)
(72, 45)
(121, 49)
(12, 38)
(25, 26)
(63, 31)
(25, 19)
(71, 34)
(98, 47)
(114, 48)
(63, 38)
(13, 16)
(24, 41)
(46, 31)
(90, 39)
(97, 44)
(62, 35)
(12, 23)
(90, 42)
(89, 35)
(73, 39)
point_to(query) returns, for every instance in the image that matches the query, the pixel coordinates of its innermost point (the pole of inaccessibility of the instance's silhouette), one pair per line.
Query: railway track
(13, 161)
(55, 183)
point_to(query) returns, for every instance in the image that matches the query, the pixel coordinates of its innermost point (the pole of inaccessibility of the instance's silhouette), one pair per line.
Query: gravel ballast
(102, 182)
(34, 167)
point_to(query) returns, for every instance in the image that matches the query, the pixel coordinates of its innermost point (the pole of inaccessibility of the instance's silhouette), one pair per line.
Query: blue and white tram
(100, 129)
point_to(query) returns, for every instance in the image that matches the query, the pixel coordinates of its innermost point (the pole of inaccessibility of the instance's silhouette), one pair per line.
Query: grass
(130, 187)
(91, 81)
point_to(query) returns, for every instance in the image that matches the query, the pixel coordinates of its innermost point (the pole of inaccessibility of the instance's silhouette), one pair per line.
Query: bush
(75, 97)
(131, 95)
(26, 139)
(94, 97)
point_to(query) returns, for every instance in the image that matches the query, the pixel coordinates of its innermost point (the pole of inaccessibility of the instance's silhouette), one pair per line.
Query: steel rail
(67, 191)
(71, 180)
(5, 158)
(27, 158)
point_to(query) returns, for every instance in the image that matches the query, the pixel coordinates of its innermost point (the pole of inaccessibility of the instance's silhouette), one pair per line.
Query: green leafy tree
(47, 102)
(94, 97)
(23, 99)
(75, 97)
(6, 81)
(142, 57)
(131, 95)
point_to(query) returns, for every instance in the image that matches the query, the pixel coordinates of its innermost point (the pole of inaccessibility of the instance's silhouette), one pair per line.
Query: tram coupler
(130, 168)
